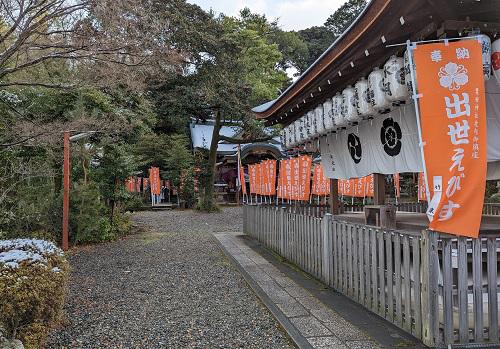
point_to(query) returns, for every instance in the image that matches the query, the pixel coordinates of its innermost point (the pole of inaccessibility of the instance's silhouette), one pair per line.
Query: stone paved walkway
(314, 324)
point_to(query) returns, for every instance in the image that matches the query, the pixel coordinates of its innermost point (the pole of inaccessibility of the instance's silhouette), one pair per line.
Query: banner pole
(410, 47)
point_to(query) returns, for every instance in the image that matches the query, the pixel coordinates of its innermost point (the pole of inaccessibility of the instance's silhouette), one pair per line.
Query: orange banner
(258, 177)
(138, 184)
(130, 184)
(305, 164)
(295, 178)
(285, 179)
(242, 180)
(252, 174)
(397, 186)
(321, 184)
(360, 187)
(370, 184)
(272, 177)
(453, 120)
(357, 187)
(154, 178)
(422, 196)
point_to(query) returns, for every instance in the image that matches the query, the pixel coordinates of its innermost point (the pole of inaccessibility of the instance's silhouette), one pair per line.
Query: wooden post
(429, 289)
(65, 222)
(327, 248)
(379, 189)
(334, 197)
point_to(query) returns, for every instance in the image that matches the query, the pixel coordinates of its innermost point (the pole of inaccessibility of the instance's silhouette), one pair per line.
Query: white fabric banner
(387, 144)
(493, 119)
(375, 148)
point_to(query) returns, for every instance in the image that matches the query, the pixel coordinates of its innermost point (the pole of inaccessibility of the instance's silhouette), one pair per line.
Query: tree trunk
(207, 201)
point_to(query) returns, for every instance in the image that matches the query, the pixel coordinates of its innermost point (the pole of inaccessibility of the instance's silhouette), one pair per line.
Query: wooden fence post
(281, 223)
(430, 311)
(327, 248)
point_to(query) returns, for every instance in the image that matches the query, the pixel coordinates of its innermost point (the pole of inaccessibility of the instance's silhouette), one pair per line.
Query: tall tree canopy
(342, 18)
(319, 38)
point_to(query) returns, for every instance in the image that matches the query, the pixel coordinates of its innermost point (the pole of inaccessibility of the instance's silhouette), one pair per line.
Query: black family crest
(354, 147)
(390, 136)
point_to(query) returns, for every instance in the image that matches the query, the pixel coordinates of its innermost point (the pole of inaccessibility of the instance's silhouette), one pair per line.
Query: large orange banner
(154, 179)
(453, 120)
(321, 184)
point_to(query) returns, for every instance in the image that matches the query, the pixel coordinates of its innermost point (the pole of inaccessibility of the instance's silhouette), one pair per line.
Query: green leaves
(340, 20)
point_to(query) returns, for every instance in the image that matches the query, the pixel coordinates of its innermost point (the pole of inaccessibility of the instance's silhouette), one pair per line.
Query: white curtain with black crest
(387, 144)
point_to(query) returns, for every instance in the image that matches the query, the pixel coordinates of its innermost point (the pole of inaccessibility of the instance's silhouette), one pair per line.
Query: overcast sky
(292, 14)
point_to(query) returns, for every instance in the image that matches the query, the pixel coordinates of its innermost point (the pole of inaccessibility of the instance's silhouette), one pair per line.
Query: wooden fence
(491, 209)
(440, 288)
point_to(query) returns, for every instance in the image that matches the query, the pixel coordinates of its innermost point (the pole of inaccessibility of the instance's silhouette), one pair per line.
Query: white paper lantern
(377, 91)
(350, 105)
(338, 116)
(495, 59)
(302, 129)
(296, 127)
(283, 137)
(314, 123)
(365, 108)
(307, 126)
(486, 51)
(394, 80)
(291, 135)
(320, 122)
(328, 115)
(408, 80)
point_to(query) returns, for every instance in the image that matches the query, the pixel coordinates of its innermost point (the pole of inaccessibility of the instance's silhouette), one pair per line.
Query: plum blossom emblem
(453, 76)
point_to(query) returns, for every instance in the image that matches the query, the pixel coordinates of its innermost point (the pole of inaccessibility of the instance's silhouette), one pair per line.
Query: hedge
(33, 283)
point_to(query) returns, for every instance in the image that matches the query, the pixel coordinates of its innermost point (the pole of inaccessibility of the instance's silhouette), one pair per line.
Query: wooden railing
(491, 209)
(440, 288)
(414, 207)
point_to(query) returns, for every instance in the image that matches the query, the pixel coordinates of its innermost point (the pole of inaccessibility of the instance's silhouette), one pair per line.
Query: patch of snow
(17, 251)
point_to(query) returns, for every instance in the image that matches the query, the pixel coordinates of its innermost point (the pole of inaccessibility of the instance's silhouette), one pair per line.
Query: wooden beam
(379, 189)
(334, 197)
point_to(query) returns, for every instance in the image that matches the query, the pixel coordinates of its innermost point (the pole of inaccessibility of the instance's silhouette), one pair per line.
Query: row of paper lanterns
(384, 89)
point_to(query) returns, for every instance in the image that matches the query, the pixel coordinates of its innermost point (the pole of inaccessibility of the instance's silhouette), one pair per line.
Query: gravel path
(167, 287)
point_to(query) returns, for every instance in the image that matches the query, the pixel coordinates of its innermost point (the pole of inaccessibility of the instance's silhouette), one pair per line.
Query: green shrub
(33, 282)
(89, 216)
(134, 203)
(121, 225)
(94, 229)
(495, 198)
